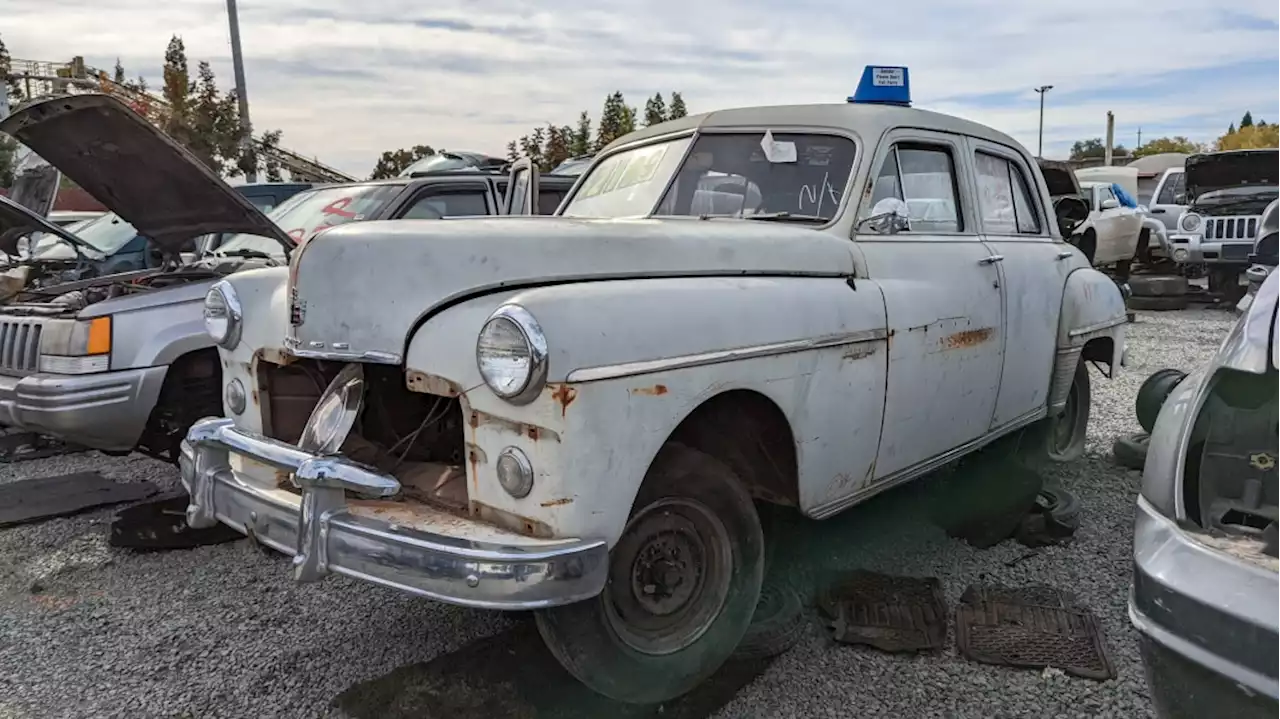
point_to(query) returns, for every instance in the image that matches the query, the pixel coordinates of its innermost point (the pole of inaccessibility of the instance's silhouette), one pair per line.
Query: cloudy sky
(347, 80)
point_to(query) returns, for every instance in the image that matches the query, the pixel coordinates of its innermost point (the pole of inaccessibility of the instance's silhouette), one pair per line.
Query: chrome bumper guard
(324, 537)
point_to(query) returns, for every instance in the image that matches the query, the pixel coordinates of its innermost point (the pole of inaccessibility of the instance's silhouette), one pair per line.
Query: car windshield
(107, 234)
(307, 213)
(799, 176)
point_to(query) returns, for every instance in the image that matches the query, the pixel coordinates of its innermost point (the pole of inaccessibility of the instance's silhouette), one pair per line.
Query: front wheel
(1060, 437)
(684, 581)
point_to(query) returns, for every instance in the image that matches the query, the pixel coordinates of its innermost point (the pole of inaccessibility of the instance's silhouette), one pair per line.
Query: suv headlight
(511, 354)
(223, 315)
(1189, 222)
(86, 349)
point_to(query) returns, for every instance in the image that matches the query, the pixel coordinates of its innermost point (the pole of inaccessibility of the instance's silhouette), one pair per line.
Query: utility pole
(242, 94)
(1111, 139)
(1139, 138)
(1040, 143)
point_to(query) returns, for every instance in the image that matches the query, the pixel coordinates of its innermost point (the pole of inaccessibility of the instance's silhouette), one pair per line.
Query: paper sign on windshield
(775, 151)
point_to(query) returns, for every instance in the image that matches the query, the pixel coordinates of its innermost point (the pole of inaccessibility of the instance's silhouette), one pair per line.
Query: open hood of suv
(1223, 170)
(16, 221)
(134, 169)
(1060, 178)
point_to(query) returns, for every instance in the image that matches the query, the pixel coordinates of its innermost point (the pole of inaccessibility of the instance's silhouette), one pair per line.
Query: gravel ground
(87, 630)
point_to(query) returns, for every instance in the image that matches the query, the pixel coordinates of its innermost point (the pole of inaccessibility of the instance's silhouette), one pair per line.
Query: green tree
(271, 167)
(1093, 148)
(1247, 120)
(677, 108)
(8, 146)
(394, 162)
(513, 152)
(655, 110)
(118, 77)
(12, 86)
(556, 149)
(612, 119)
(177, 88)
(8, 159)
(1250, 137)
(581, 143)
(1167, 144)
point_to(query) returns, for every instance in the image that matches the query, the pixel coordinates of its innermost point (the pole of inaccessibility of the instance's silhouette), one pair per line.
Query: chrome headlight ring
(511, 354)
(1190, 222)
(223, 315)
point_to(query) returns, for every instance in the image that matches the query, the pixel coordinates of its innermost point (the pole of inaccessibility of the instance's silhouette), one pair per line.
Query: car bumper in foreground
(1207, 621)
(415, 548)
(104, 411)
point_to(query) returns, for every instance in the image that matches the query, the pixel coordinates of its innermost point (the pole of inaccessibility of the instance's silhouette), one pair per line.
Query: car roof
(869, 120)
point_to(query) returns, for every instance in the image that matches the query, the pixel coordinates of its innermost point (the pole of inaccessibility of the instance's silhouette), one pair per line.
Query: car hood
(17, 221)
(1222, 170)
(1060, 178)
(134, 169)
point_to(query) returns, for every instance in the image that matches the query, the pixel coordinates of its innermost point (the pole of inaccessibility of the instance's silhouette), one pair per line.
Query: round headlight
(1190, 222)
(336, 412)
(222, 315)
(515, 473)
(511, 354)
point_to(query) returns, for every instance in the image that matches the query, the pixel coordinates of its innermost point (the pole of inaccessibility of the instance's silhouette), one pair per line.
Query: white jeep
(573, 414)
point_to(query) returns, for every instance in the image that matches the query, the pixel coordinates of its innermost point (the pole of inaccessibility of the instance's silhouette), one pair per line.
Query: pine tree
(177, 88)
(119, 73)
(1231, 129)
(655, 110)
(611, 122)
(13, 87)
(1247, 120)
(556, 149)
(581, 143)
(513, 154)
(628, 124)
(677, 109)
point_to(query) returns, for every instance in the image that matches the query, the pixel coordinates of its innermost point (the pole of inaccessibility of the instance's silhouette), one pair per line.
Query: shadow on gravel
(511, 674)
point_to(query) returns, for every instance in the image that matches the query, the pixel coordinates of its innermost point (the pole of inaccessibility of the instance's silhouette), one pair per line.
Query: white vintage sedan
(805, 305)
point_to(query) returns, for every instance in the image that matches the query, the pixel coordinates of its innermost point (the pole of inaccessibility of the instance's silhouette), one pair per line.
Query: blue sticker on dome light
(884, 85)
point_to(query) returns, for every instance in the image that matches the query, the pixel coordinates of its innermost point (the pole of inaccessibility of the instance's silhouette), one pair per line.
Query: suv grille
(20, 345)
(1230, 228)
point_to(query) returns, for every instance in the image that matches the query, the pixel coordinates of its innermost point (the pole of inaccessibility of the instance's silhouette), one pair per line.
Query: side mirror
(888, 217)
(1110, 204)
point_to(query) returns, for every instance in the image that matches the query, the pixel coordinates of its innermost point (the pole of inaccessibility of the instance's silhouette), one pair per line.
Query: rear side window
(1004, 196)
(1172, 187)
(461, 203)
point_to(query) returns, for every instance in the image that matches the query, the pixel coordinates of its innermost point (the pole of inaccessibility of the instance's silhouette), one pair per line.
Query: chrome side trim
(372, 357)
(1105, 324)
(907, 474)
(628, 369)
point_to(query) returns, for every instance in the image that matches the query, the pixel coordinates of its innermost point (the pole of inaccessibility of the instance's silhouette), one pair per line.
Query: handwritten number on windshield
(337, 208)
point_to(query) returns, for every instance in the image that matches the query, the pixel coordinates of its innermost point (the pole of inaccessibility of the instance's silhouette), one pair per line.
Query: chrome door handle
(1064, 255)
(991, 260)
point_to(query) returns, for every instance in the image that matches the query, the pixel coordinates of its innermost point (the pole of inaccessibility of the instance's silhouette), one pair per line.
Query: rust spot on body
(655, 391)
(275, 356)
(967, 338)
(558, 502)
(417, 381)
(564, 395)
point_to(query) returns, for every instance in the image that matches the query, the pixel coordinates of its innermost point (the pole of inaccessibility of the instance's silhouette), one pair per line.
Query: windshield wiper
(772, 217)
(246, 253)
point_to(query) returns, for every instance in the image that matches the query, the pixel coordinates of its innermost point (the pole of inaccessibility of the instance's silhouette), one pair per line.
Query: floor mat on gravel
(33, 500)
(161, 524)
(1031, 627)
(512, 674)
(893, 614)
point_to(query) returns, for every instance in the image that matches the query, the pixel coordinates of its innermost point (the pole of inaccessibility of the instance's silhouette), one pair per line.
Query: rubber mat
(32, 500)
(893, 614)
(161, 524)
(1032, 626)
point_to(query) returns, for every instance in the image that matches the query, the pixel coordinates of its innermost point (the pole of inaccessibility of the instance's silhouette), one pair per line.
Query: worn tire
(585, 637)
(775, 626)
(1053, 444)
(1158, 304)
(1061, 510)
(1152, 394)
(1158, 285)
(1131, 450)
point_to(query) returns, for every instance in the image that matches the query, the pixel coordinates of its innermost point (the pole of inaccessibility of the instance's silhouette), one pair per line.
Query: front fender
(622, 377)
(156, 336)
(1092, 307)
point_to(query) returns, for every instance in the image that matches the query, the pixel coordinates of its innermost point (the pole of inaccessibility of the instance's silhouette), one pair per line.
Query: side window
(264, 203)
(1171, 188)
(1004, 196)
(924, 178)
(457, 203)
(1105, 194)
(549, 200)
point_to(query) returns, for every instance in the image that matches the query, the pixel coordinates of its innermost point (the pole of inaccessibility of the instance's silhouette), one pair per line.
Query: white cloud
(346, 81)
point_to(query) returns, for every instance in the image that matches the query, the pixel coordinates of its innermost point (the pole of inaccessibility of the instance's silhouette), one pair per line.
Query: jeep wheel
(1061, 438)
(684, 581)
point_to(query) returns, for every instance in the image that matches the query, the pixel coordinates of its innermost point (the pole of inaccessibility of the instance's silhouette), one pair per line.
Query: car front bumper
(104, 411)
(412, 547)
(1212, 252)
(1207, 622)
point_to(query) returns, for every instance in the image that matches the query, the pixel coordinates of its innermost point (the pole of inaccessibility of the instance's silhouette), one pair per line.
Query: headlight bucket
(1190, 222)
(336, 412)
(223, 315)
(511, 354)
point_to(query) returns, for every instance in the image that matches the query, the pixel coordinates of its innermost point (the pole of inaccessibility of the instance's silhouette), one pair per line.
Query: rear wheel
(684, 581)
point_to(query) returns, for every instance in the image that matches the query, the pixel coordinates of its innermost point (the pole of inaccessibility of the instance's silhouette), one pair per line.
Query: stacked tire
(1157, 292)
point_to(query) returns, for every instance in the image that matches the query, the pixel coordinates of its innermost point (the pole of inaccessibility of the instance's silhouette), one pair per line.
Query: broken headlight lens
(222, 315)
(511, 354)
(336, 412)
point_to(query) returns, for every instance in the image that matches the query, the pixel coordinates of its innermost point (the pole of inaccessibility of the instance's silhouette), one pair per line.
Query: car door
(522, 189)
(1111, 226)
(942, 298)
(448, 198)
(1016, 224)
